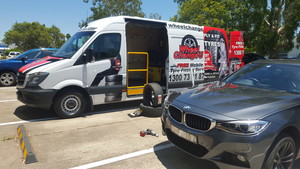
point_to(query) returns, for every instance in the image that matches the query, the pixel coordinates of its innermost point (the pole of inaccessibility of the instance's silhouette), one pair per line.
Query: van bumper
(33, 97)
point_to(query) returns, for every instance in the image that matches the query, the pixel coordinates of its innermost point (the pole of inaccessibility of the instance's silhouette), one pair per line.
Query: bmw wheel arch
(282, 153)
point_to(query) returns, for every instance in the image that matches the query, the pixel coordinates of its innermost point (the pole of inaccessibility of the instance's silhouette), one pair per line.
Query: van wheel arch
(79, 92)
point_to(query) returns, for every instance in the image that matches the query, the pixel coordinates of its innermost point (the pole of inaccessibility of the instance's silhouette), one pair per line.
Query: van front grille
(21, 78)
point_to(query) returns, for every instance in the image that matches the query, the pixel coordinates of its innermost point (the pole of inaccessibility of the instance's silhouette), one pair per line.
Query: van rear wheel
(69, 104)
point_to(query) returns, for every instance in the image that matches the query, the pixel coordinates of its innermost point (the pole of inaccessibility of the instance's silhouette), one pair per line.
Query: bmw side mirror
(88, 55)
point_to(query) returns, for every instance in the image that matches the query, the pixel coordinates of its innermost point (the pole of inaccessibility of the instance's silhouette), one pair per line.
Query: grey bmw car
(250, 119)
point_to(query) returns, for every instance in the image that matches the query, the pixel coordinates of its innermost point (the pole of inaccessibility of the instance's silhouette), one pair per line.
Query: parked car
(250, 119)
(13, 55)
(250, 57)
(9, 67)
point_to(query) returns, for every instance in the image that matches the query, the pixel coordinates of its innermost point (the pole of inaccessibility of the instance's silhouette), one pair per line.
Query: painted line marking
(5, 88)
(2, 101)
(123, 157)
(24, 121)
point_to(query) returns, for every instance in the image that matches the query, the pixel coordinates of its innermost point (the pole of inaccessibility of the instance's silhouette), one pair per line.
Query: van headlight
(243, 127)
(36, 78)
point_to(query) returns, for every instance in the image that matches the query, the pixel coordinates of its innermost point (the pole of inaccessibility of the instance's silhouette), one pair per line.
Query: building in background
(3, 47)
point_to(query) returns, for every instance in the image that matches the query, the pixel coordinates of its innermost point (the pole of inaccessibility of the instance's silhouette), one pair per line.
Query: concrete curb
(28, 155)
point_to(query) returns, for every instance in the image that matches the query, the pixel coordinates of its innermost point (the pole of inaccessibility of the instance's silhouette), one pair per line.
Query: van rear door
(186, 62)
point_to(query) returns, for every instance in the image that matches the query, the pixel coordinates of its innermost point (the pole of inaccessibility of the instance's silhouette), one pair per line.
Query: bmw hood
(38, 63)
(239, 102)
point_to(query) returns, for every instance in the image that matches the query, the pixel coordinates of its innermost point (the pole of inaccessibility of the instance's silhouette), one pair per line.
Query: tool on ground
(136, 113)
(148, 132)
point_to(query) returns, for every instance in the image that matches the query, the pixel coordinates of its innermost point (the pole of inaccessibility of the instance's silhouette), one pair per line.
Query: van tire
(8, 78)
(69, 104)
(152, 93)
(114, 78)
(149, 111)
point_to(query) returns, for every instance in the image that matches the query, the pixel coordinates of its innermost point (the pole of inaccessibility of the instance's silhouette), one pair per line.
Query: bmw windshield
(73, 44)
(273, 76)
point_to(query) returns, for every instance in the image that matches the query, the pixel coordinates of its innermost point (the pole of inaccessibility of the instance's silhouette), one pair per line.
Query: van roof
(100, 23)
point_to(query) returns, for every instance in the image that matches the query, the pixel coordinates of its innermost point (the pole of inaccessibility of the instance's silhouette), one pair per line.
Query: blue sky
(65, 14)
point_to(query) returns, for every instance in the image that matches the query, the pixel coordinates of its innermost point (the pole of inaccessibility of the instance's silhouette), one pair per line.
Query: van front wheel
(69, 104)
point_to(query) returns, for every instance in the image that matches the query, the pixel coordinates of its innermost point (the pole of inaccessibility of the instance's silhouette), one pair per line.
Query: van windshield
(73, 44)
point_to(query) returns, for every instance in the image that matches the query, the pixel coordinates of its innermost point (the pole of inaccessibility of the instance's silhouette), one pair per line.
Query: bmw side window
(106, 46)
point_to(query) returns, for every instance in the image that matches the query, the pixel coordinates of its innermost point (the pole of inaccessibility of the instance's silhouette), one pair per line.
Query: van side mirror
(88, 55)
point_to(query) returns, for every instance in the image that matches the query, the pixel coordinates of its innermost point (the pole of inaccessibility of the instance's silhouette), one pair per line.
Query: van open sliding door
(147, 50)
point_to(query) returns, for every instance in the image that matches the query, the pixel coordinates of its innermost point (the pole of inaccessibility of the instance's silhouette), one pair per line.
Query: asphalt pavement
(103, 138)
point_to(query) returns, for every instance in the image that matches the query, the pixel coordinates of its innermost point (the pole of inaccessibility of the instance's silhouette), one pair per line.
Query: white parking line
(14, 100)
(123, 157)
(27, 121)
(5, 88)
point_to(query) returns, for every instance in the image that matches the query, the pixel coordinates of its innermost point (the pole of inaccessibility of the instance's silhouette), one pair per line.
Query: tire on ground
(149, 111)
(69, 104)
(8, 78)
(153, 95)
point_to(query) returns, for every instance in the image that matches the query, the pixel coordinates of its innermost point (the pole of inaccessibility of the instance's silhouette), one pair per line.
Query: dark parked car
(250, 57)
(250, 119)
(9, 67)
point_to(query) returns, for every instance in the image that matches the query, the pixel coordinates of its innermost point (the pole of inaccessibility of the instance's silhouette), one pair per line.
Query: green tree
(155, 16)
(216, 13)
(33, 35)
(68, 36)
(273, 25)
(269, 26)
(107, 8)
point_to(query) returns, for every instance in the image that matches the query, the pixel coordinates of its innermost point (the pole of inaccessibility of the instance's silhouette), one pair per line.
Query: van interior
(147, 47)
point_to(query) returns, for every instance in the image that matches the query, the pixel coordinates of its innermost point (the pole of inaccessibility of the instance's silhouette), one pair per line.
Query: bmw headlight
(243, 127)
(37, 78)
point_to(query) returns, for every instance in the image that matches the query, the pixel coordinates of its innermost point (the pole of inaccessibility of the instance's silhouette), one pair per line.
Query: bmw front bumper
(224, 149)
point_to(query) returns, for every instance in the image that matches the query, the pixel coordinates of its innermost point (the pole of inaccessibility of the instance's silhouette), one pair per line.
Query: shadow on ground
(173, 158)
(29, 113)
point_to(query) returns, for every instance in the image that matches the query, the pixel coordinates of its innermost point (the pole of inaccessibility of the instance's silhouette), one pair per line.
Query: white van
(113, 59)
